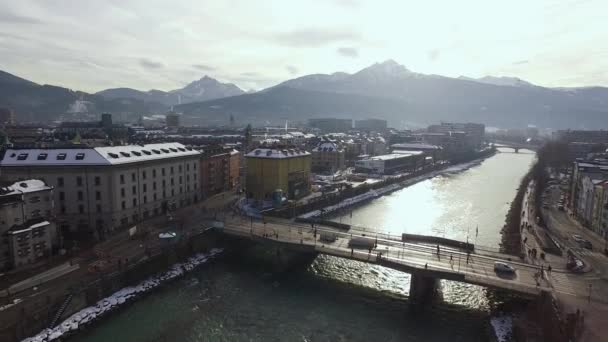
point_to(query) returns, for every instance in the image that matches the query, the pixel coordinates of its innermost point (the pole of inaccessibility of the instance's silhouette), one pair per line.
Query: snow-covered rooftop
(327, 147)
(25, 186)
(276, 153)
(111, 155)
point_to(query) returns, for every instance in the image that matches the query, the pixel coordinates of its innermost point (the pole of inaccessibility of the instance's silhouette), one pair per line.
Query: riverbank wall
(41, 311)
(367, 192)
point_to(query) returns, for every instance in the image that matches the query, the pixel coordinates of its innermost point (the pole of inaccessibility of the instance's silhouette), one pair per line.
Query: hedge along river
(336, 299)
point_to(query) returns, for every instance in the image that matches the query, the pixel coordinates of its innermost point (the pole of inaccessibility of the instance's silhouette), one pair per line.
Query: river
(336, 299)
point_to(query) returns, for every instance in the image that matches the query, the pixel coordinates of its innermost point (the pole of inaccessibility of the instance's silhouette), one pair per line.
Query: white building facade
(98, 190)
(27, 231)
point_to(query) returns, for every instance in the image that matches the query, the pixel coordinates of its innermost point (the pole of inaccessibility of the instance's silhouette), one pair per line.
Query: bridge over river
(420, 259)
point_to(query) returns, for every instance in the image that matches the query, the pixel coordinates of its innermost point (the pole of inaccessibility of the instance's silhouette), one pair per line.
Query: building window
(172, 192)
(172, 181)
(97, 180)
(145, 199)
(187, 178)
(79, 181)
(154, 173)
(124, 205)
(63, 209)
(133, 177)
(194, 166)
(145, 188)
(122, 192)
(99, 208)
(164, 183)
(60, 181)
(171, 169)
(81, 209)
(134, 190)
(153, 185)
(122, 179)
(181, 189)
(179, 168)
(187, 167)
(164, 194)
(162, 171)
(135, 202)
(98, 195)
(180, 179)
(62, 196)
(80, 196)
(143, 174)
(154, 196)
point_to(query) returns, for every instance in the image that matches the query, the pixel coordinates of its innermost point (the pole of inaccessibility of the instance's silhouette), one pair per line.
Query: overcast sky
(149, 44)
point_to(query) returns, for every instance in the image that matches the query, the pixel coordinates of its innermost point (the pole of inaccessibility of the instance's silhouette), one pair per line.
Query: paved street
(588, 291)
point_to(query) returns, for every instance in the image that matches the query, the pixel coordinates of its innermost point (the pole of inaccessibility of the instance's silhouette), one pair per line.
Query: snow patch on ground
(120, 297)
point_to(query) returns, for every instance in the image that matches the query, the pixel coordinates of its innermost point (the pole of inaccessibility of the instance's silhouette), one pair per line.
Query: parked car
(587, 244)
(501, 267)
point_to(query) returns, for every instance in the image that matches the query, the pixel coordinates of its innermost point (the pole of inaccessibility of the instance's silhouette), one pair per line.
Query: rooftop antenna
(286, 121)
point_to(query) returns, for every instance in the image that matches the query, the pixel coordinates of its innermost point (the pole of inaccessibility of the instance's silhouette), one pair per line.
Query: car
(560, 207)
(587, 244)
(577, 238)
(502, 267)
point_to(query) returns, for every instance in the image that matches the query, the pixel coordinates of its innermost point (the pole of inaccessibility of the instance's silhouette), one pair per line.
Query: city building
(27, 228)
(93, 129)
(593, 169)
(578, 149)
(219, 170)
(433, 151)
(7, 117)
(599, 220)
(391, 163)
(474, 132)
(269, 170)
(327, 157)
(328, 125)
(172, 120)
(598, 137)
(377, 125)
(103, 188)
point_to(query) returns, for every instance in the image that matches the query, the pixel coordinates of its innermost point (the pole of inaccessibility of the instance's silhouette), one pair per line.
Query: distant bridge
(419, 259)
(515, 146)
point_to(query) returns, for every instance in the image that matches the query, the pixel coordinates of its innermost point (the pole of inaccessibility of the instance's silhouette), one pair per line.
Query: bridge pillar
(423, 289)
(516, 149)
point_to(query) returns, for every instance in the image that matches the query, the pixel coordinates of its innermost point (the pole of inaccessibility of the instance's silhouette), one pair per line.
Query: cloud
(348, 52)
(347, 3)
(8, 17)
(525, 61)
(315, 37)
(433, 55)
(150, 64)
(292, 69)
(250, 74)
(203, 67)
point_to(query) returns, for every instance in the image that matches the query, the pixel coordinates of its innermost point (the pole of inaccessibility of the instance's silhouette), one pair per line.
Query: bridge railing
(401, 256)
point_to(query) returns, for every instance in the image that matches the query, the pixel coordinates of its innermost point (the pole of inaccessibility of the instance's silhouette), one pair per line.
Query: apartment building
(27, 228)
(100, 189)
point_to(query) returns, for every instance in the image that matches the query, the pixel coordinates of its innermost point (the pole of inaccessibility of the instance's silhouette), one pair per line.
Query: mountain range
(383, 90)
(390, 91)
(204, 89)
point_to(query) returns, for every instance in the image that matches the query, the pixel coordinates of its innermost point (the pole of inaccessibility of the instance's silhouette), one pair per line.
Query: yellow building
(269, 170)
